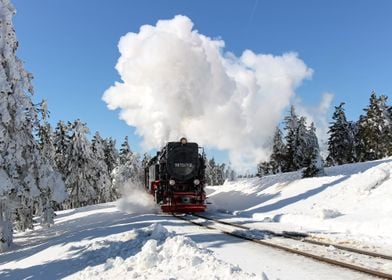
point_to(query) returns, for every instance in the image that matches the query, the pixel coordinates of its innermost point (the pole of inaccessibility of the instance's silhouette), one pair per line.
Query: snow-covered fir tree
(230, 174)
(111, 154)
(129, 172)
(313, 161)
(386, 143)
(210, 165)
(50, 180)
(372, 130)
(101, 175)
(22, 174)
(279, 153)
(210, 172)
(389, 134)
(301, 149)
(214, 173)
(220, 174)
(111, 160)
(124, 151)
(61, 141)
(291, 125)
(264, 168)
(79, 168)
(341, 139)
(301, 145)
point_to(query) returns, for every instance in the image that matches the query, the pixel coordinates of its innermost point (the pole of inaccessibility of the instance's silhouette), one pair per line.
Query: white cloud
(177, 82)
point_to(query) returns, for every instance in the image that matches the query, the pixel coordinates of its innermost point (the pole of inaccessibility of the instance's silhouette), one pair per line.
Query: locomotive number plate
(183, 164)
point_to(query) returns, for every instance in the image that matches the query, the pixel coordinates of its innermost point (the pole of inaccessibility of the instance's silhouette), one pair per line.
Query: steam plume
(178, 82)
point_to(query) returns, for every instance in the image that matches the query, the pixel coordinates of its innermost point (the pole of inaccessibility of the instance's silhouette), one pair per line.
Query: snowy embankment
(352, 200)
(154, 253)
(102, 242)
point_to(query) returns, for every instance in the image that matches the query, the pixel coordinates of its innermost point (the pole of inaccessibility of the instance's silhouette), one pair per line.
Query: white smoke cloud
(135, 199)
(177, 82)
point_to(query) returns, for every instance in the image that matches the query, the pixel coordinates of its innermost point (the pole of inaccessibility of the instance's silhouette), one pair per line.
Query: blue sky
(71, 47)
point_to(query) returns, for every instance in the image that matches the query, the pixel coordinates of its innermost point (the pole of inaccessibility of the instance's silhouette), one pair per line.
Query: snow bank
(353, 199)
(163, 256)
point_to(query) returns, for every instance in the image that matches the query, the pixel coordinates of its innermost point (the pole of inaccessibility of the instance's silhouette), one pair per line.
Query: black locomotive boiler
(176, 177)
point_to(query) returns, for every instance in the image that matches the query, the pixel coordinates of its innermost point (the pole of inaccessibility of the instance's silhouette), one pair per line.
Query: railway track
(371, 263)
(303, 237)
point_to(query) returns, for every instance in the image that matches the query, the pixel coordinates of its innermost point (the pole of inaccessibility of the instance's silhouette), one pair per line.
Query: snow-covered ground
(351, 203)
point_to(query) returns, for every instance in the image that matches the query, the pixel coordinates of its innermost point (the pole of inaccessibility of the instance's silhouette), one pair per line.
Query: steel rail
(302, 237)
(286, 248)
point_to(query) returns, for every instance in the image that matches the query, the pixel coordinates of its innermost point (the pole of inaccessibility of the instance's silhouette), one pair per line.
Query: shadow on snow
(95, 226)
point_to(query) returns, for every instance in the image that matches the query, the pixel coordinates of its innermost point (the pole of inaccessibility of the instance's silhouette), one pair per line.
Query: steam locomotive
(176, 177)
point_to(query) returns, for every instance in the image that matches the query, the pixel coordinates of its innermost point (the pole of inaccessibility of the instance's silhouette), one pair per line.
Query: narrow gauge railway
(303, 237)
(377, 265)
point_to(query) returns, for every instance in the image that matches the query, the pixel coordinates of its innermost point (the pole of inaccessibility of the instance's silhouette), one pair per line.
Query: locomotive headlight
(172, 182)
(196, 182)
(183, 140)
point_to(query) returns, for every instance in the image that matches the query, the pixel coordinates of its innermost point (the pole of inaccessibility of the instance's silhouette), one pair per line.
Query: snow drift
(163, 256)
(178, 82)
(352, 199)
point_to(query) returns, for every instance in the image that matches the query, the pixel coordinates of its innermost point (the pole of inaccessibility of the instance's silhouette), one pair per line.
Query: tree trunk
(5, 226)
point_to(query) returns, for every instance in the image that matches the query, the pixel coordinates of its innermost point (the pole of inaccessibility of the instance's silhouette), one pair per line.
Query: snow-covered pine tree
(124, 151)
(230, 173)
(129, 172)
(389, 135)
(372, 128)
(279, 154)
(20, 159)
(111, 154)
(386, 143)
(210, 166)
(354, 129)
(101, 176)
(220, 174)
(111, 160)
(18, 117)
(50, 180)
(264, 168)
(291, 128)
(79, 168)
(313, 160)
(61, 142)
(131, 162)
(341, 139)
(301, 145)
(215, 173)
